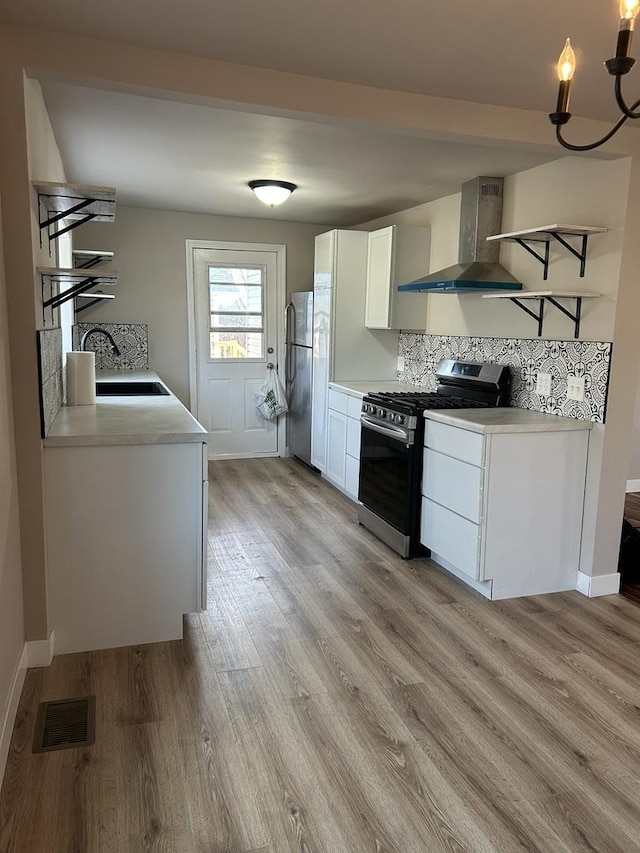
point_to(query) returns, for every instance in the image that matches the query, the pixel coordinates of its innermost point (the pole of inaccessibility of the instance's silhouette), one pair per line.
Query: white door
(236, 337)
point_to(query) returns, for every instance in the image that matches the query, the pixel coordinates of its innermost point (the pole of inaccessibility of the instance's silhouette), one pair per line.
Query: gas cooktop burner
(421, 400)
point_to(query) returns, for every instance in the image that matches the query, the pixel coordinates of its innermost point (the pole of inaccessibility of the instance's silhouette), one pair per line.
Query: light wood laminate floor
(336, 699)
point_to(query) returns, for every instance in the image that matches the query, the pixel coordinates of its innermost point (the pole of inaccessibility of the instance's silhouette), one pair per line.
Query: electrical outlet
(543, 384)
(400, 367)
(575, 388)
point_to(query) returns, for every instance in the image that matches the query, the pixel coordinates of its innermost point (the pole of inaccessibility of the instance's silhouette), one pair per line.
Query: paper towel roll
(81, 378)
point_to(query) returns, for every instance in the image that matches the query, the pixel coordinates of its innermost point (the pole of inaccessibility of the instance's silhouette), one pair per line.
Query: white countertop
(126, 420)
(506, 420)
(360, 387)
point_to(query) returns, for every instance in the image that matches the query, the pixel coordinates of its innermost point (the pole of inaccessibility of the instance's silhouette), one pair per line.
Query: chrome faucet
(108, 336)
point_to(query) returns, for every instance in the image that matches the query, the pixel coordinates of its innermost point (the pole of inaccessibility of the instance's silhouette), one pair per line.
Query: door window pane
(236, 304)
(237, 344)
(236, 321)
(232, 297)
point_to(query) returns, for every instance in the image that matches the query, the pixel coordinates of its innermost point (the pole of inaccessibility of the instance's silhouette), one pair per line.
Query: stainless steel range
(392, 426)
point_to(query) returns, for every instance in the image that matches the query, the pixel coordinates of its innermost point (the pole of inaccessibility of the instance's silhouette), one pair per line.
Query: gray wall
(11, 619)
(634, 459)
(151, 261)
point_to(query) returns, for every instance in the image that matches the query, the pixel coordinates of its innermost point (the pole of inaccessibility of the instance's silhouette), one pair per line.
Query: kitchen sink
(130, 389)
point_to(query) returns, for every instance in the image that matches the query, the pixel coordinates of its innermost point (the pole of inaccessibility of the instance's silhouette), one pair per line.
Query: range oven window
(386, 477)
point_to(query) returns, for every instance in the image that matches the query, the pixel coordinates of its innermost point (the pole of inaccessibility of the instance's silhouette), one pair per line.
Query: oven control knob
(400, 419)
(382, 413)
(392, 416)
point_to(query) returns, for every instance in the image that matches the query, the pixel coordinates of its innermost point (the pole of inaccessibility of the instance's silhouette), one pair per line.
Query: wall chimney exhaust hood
(478, 269)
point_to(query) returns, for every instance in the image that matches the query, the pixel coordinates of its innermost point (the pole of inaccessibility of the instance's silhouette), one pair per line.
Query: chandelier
(618, 66)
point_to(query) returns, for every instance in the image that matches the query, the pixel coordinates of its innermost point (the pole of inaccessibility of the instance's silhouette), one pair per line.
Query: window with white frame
(236, 303)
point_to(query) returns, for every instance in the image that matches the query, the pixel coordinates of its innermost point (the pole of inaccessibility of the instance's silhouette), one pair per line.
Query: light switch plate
(543, 384)
(575, 388)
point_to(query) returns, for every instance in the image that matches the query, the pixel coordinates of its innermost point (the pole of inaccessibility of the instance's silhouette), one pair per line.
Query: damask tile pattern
(50, 367)
(527, 358)
(132, 340)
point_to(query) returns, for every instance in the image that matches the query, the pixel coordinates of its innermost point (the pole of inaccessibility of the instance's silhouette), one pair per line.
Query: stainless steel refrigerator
(298, 365)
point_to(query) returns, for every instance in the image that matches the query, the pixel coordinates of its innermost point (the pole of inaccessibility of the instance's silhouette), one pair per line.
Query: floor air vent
(65, 724)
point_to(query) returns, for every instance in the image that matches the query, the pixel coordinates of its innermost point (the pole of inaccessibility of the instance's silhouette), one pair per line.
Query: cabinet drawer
(338, 401)
(353, 437)
(452, 483)
(460, 443)
(354, 407)
(455, 539)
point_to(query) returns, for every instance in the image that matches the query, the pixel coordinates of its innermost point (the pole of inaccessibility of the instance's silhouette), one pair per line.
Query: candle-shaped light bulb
(628, 11)
(566, 70)
(567, 62)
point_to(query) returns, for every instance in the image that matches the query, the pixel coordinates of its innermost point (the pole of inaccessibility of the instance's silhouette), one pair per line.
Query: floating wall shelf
(84, 259)
(545, 234)
(79, 282)
(94, 299)
(544, 296)
(75, 202)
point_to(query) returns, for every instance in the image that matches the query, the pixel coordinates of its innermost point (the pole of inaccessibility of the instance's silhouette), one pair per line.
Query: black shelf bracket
(581, 254)
(537, 316)
(79, 309)
(575, 317)
(89, 264)
(59, 299)
(51, 220)
(544, 259)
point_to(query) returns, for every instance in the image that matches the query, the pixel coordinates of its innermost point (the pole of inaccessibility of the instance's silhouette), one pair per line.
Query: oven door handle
(403, 435)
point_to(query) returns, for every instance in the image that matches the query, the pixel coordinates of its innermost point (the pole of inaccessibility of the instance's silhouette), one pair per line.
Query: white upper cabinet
(396, 255)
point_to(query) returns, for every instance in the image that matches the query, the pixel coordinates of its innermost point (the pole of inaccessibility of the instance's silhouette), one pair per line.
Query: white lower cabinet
(352, 476)
(343, 444)
(503, 510)
(452, 537)
(336, 448)
(126, 542)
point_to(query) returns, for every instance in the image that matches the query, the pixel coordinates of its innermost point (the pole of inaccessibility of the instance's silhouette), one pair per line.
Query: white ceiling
(198, 158)
(178, 156)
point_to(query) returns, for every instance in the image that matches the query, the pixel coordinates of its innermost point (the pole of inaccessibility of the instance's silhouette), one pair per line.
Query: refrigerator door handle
(288, 375)
(289, 307)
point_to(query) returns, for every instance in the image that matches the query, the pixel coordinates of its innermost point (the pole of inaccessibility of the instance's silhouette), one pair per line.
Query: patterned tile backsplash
(590, 359)
(50, 361)
(132, 340)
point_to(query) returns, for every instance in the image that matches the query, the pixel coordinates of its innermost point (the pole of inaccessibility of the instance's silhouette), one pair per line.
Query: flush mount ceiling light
(619, 65)
(273, 193)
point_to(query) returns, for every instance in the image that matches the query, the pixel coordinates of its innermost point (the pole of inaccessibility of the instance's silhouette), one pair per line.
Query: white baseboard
(598, 584)
(12, 707)
(40, 652)
(633, 486)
